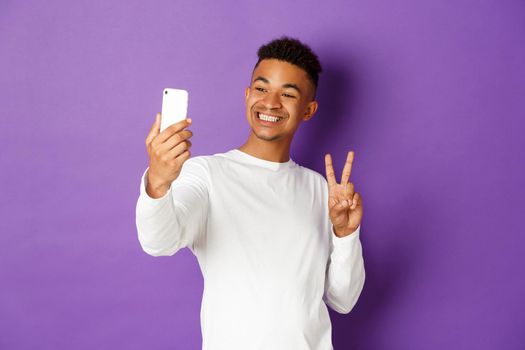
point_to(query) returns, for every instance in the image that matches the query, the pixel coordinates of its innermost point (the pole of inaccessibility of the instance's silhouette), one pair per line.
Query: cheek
(250, 104)
(293, 108)
(252, 101)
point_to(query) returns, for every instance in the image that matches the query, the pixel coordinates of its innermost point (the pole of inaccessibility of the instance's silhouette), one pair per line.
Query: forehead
(281, 72)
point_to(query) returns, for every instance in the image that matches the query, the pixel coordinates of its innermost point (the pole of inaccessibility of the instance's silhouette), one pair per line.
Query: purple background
(430, 95)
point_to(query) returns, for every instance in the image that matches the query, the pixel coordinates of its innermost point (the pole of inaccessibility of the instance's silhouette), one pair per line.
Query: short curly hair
(293, 51)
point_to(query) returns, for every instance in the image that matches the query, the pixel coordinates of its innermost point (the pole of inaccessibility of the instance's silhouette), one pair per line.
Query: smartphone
(174, 107)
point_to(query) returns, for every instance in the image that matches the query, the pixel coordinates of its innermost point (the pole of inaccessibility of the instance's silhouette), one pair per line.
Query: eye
(288, 95)
(260, 89)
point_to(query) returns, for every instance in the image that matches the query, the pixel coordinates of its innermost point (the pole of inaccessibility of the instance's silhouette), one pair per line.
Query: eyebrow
(287, 85)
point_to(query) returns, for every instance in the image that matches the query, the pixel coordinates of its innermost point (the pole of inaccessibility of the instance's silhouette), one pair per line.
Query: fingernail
(189, 120)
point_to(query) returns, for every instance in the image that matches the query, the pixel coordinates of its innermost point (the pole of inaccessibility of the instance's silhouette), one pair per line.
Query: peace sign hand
(344, 204)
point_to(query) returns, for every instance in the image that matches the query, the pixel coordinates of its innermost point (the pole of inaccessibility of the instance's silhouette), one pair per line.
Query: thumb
(155, 129)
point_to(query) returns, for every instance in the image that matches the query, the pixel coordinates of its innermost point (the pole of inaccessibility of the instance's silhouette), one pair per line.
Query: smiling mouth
(268, 117)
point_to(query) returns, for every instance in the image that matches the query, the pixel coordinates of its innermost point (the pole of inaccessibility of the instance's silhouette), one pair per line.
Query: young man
(274, 240)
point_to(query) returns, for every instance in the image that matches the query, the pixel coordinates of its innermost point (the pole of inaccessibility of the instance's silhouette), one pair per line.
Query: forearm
(345, 273)
(177, 218)
(158, 225)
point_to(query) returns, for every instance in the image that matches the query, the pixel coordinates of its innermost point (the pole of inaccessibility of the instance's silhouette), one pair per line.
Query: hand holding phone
(168, 143)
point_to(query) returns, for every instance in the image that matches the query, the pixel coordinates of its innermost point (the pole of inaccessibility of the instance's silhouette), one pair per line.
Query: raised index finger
(347, 170)
(330, 176)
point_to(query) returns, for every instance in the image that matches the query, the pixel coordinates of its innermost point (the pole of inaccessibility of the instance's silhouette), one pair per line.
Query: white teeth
(268, 118)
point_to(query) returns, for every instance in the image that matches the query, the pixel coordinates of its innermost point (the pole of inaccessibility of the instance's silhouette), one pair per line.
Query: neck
(274, 151)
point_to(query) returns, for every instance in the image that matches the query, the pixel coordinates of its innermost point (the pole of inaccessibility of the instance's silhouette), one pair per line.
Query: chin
(265, 137)
(268, 138)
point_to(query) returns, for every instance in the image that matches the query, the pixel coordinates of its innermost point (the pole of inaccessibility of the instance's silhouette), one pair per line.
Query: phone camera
(165, 92)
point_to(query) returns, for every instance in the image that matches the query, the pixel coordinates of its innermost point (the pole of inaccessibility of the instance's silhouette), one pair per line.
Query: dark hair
(295, 52)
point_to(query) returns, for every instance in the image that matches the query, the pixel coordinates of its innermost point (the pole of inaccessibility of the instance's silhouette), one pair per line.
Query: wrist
(156, 189)
(156, 193)
(346, 231)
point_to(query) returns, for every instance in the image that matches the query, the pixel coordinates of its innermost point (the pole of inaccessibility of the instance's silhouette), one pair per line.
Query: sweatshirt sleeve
(178, 219)
(345, 273)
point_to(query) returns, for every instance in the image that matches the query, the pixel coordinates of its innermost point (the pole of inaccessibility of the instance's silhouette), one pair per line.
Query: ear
(311, 108)
(246, 94)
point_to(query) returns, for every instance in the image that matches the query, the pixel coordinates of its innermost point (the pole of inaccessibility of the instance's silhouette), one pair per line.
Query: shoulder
(195, 169)
(312, 175)
(196, 162)
(204, 163)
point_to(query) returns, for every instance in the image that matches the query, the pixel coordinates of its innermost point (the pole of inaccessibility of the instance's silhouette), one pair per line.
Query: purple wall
(430, 95)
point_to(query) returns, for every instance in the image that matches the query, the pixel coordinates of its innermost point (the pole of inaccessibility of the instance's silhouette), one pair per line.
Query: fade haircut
(295, 52)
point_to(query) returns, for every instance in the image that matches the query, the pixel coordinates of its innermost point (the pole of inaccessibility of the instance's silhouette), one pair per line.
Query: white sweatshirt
(264, 242)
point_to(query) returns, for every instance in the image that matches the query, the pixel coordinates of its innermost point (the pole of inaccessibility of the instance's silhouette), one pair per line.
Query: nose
(272, 101)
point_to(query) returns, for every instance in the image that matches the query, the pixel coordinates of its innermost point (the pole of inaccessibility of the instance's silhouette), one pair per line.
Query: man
(274, 240)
